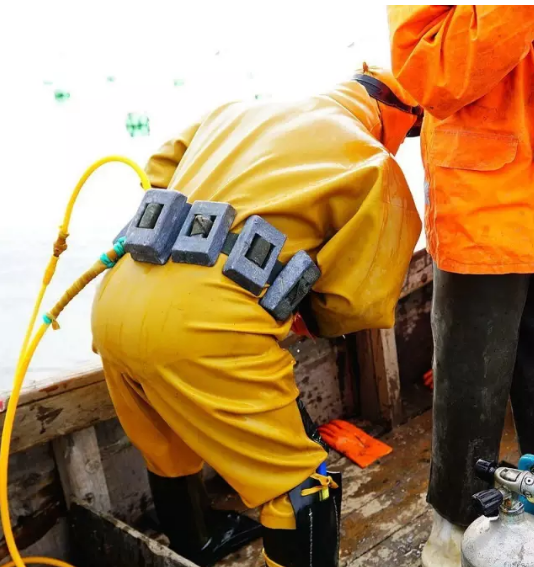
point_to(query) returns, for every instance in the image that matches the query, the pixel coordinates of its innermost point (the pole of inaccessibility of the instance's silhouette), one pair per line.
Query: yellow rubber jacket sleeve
(364, 264)
(449, 56)
(162, 165)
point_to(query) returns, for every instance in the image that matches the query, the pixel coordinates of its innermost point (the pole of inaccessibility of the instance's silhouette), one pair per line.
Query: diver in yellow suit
(191, 353)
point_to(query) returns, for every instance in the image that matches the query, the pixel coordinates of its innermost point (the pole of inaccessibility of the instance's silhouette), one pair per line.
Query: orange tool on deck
(353, 442)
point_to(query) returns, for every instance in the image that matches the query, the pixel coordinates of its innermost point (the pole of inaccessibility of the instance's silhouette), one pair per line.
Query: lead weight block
(254, 255)
(155, 226)
(290, 287)
(203, 233)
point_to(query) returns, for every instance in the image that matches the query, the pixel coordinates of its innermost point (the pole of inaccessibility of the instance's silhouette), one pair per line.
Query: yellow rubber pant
(192, 383)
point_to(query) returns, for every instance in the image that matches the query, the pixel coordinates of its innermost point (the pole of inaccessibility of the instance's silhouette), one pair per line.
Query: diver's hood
(400, 114)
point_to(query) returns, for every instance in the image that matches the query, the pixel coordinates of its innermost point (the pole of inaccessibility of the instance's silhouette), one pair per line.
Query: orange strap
(299, 327)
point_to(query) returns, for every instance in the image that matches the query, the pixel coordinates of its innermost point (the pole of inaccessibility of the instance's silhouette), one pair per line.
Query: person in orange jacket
(472, 69)
(191, 352)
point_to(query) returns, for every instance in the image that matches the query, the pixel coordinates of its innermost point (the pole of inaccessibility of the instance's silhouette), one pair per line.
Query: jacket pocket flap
(472, 150)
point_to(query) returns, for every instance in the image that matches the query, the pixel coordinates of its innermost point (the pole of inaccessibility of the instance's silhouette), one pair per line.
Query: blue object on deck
(526, 463)
(322, 469)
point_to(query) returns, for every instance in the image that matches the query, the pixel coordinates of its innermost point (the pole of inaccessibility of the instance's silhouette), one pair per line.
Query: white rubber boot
(444, 546)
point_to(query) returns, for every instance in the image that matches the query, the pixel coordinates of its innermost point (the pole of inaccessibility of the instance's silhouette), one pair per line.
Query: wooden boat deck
(385, 517)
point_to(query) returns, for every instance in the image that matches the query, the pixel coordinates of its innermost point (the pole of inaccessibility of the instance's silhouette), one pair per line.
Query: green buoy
(137, 124)
(61, 95)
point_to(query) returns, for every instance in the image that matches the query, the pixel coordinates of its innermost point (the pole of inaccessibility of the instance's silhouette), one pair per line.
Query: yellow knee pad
(278, 514)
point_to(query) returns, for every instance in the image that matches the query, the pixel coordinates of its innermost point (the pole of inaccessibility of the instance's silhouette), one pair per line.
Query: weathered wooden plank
(45, 419)
(35, 498)
(413, 336)
(58, 385)
(419, 273)
(383, 516)
(53, 543)
(80, 469)
(369, 400)
(394, 508)
(125, 472)
(316, 376)
(387, 368)
(402, 549)
(379, 376)
(411, 452)
(102, 540)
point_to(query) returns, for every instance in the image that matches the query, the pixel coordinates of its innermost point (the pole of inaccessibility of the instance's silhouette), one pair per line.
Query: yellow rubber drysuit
(191, 359)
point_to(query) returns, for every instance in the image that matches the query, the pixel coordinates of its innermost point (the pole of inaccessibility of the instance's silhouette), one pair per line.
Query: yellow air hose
(30, 345)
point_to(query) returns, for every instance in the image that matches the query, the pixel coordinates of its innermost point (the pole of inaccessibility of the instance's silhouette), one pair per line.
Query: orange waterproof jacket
(472, 69)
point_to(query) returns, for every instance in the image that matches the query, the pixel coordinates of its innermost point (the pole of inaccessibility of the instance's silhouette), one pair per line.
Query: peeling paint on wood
(316, 374)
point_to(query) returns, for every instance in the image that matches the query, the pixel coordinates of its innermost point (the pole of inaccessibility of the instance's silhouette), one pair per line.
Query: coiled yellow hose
(30, 345)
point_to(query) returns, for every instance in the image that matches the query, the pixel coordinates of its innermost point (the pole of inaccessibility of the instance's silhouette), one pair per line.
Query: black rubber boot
(195, 530)
(315, 542)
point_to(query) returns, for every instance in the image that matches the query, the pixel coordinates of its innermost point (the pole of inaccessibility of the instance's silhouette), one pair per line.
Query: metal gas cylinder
(504, 535)
(526, 463)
